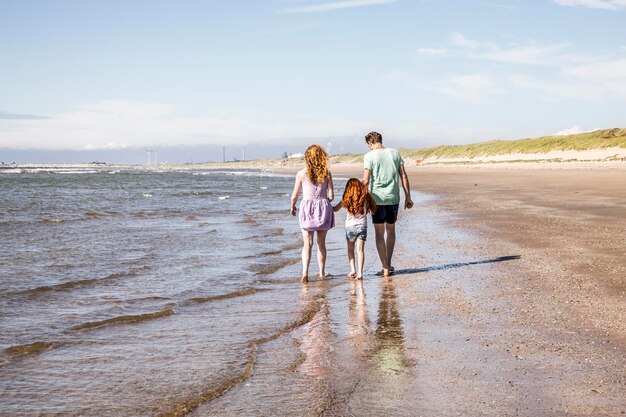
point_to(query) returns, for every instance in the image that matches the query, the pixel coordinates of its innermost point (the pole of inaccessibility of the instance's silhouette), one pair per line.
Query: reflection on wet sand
(389, 355)
(358, 317)
(315, 343)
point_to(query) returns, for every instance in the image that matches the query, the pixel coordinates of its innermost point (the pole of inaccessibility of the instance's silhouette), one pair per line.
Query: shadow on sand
(456, 265)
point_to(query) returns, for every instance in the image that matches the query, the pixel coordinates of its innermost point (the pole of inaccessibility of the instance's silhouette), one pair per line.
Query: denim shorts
(356, 232)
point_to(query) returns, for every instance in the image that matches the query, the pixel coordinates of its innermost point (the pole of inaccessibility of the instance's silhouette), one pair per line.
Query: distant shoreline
(596, 159)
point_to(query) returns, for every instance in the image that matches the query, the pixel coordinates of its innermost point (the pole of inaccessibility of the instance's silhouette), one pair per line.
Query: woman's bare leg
(307, 238)
(321, 252)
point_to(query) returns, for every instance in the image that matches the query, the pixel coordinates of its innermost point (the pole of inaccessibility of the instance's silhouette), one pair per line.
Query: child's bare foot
(359, 277)
(386, 272)
(352, 274)
(304, 278)
(324, 275)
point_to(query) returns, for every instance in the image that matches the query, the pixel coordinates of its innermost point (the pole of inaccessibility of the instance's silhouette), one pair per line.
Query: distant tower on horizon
(150, 155)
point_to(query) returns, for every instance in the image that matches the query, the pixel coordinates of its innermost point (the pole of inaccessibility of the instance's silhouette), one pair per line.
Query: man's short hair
(374, 137)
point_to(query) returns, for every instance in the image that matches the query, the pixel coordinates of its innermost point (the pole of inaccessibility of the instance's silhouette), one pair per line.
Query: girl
(316, 212)
(358, 202)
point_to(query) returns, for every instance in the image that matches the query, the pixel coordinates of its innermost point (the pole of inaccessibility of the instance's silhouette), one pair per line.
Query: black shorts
(385, 214)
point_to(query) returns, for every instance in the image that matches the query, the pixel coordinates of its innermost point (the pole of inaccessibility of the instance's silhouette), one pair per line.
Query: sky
(200, 81)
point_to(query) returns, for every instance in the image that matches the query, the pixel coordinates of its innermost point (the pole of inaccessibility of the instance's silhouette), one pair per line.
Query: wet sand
(567, 318)
(508, 301)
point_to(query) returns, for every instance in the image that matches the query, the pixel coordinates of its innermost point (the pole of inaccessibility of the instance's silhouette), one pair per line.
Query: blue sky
(189, 77)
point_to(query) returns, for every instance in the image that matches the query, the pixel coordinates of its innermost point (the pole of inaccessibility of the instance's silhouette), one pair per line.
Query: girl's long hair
(355, 196)
(316, 160)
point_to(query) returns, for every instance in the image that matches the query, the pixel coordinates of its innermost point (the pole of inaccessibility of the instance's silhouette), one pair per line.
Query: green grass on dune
(599, 139)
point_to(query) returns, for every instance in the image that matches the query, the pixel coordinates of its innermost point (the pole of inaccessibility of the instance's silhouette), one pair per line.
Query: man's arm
(408, 203)
(366, 178)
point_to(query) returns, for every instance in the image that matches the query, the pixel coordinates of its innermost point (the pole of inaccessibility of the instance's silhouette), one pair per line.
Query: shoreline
(508, 299)
(565, 321)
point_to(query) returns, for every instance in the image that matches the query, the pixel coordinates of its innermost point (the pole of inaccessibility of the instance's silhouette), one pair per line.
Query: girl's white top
(356, 220)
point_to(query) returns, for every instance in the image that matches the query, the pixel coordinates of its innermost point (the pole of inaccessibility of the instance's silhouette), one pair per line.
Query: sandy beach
(507, 299)
(544, 331)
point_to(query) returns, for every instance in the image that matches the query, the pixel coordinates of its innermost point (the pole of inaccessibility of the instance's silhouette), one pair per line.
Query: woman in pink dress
(316, 213)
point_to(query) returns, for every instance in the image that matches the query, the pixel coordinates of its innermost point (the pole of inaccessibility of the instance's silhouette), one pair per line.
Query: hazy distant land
(605, 147)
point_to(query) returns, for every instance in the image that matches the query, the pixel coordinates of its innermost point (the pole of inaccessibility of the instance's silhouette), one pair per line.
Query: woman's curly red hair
(316, 160)
(355, 197)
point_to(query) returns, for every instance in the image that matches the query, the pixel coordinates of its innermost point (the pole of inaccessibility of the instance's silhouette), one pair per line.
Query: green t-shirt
(384, 165)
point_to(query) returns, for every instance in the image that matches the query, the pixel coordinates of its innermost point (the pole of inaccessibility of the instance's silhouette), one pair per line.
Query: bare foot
(352, 274)
(324, 275)
(304, 278)
(386, 272)
(359, 277)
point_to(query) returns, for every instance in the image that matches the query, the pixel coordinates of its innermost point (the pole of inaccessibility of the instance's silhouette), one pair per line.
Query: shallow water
(129, 292)
(137, 292)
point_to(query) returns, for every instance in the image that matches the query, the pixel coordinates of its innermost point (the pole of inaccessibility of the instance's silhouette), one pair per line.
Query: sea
(143, 292)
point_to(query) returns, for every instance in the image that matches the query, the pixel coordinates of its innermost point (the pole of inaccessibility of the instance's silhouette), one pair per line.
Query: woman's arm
(330, 189)
(296, 192)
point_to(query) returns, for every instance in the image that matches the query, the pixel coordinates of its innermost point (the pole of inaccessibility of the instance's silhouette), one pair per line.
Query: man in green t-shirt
(383, 174)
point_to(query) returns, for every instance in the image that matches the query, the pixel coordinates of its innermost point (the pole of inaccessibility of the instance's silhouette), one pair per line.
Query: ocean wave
(127, 319)
(264, 269)
(53, 220)
(29, 349)
(240, 293)
(194, 194)
(66, 286)
(76, 171)
(247, 219)
(292, 246)
(215, 390)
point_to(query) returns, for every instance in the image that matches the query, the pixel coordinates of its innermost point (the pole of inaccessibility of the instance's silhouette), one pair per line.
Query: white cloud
(468, 87)
(433, 52)
(551, 71)
(607, 70)
(118, 124)
(571, 131)
(594, 4)
(336, 5)
(530, 53)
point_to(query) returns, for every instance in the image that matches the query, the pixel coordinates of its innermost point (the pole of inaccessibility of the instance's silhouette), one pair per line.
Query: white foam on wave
(74, 171)
(147, 195)
(11, 171)
(224, 197)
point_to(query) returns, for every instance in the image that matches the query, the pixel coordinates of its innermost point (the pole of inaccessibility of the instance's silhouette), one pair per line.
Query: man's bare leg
(381, 246)
(390, 242)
